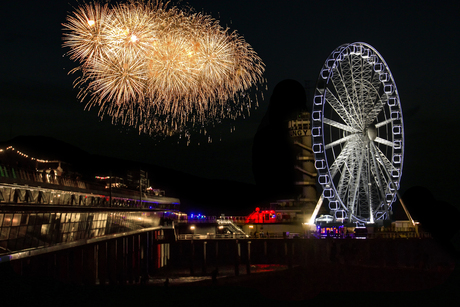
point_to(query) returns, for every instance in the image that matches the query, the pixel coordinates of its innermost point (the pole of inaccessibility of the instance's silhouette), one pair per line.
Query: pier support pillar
(102, 262)
(112, 261)
(192, 255)
(137, 258)
(89, 265)
(144, 256)
(265, 251)
(121, 260)
(237, 258)
(248, 258)
(204, 257)
(130, 259)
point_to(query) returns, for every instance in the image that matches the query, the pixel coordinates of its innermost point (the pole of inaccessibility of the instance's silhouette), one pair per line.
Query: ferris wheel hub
(371, 132)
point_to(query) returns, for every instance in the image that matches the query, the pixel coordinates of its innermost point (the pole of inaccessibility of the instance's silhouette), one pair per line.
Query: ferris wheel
(358, 134)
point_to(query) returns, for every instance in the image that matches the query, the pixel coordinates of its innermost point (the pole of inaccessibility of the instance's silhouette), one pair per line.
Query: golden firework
(160, 68)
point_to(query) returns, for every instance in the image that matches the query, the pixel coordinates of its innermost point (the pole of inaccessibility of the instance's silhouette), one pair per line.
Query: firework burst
(159, 68)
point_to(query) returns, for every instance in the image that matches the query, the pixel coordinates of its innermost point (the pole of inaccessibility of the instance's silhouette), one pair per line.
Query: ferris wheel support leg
(315, 212)
(407, 212)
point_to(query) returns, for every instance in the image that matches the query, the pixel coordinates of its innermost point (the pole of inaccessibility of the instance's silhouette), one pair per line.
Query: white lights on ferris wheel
(358, 134)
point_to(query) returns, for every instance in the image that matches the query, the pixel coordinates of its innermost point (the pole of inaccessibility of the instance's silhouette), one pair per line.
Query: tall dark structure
(282, 159)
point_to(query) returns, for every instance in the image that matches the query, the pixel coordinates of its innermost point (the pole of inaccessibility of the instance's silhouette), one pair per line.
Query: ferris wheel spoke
(343, 180)
(339, 141)
(378, 107)
(375, 84)
(343, 85)
(359, 76)
(354, 180)
(372, 99)
(382, 159)
(385, 122)
(384, 142)
(340, 109)
(339, 83)
(378, 175)
(341, 158)
(333, 123)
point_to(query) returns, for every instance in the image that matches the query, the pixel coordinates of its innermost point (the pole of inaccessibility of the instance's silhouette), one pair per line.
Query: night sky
(418, 40)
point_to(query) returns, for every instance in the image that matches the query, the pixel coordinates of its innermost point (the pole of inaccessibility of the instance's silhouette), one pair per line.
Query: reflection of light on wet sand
(176, 277)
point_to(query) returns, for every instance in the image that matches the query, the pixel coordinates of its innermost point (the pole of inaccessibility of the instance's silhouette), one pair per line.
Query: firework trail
(159, 68)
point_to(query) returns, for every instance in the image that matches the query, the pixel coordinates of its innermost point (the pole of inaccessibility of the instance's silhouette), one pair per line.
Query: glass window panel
(5, 233)
(66, 227)
(56, 220)
(16, 219)
(22, 231)
(14, 232)
(1, 219)
(32, 218)
(30, 230)
(46, 218)
(45, 229)
(24, 219)
(7, 220)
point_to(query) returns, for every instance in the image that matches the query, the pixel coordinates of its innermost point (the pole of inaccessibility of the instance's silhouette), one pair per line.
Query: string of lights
(12, 149)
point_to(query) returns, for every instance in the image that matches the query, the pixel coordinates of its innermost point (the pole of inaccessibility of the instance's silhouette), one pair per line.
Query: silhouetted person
(273, 155)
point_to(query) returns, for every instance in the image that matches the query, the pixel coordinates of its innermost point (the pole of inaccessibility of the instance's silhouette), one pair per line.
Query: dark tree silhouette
(273, 155)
